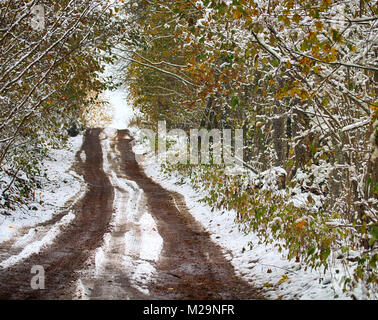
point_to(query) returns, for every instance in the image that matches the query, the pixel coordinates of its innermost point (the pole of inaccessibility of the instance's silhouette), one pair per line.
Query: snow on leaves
(299, 77)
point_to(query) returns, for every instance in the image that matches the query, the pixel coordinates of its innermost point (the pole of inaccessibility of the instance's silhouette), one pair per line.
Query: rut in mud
(190, 265)
(74, 244)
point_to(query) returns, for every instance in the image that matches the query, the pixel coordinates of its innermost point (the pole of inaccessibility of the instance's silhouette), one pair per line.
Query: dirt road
(130, 239)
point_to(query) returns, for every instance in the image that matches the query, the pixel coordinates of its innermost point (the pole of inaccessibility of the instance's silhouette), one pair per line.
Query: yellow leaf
(283, 279)
(319, 25)
(237, 14)
(297, 18)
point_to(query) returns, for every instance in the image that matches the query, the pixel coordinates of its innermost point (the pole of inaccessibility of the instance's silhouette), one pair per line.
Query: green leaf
(373, 261)
(290, 163)
(325, 254)
(374, 231)
(304, 46)
(311, 251)
(234, 102)
(375, 188)
(374, 234)
(336, 36)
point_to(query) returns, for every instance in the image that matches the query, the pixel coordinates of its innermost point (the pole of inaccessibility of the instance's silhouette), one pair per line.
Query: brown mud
(191, 266)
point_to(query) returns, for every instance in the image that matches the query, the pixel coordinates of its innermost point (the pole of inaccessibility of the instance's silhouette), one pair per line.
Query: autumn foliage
(299, 77)
(45, 76)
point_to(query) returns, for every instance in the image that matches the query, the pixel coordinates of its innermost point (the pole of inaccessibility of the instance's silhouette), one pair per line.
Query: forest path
(130, 239)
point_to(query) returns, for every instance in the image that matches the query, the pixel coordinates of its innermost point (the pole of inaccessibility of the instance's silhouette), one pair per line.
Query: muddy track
(73, 246)
(190, 266)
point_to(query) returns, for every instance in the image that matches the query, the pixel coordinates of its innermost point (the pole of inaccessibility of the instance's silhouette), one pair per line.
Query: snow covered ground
(142, 239)
(263, 265)
(60, 185)
(260, 264)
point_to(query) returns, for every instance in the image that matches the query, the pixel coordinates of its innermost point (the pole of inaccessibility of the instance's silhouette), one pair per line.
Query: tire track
(130, 239)
(117, 261)
(191, 266)
(74, 244)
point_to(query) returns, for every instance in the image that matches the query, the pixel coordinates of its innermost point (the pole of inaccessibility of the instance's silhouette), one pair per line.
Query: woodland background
(299, 77)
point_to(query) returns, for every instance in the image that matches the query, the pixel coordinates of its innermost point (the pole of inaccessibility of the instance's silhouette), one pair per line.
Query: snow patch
(56, 189)
(37, 246)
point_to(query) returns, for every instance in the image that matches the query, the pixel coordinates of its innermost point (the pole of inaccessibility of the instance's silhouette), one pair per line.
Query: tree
(45, 75)
(299, 78)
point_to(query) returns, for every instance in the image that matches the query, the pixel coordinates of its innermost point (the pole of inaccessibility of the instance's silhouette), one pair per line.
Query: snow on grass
(60, 183)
